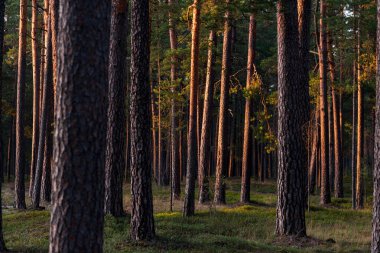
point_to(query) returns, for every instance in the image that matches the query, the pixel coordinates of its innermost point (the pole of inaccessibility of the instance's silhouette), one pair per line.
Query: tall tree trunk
(204, 153)
(115, 152)
(338, 165)
(175, 183)
(313, 160)
(80, 134)
(192, 150)
(2, 13)
(47, 93)
(20, 111)
(154, 131)
(161, 168)
(222, 158)
(375, 247)
(325, 185)
(360, 132)
(142, 222)
(245, 195)
(292, 153)
(36, 93)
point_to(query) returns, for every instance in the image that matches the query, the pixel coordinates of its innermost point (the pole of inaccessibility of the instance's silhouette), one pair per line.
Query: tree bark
(142, 221)
(20, 111)
(292, 153)
(222, 158)
(245, 195)
(79, 139)
(375, 247)
(36, 93)
(204, 152)
(192, 150)
(325, 185)
(115, 150)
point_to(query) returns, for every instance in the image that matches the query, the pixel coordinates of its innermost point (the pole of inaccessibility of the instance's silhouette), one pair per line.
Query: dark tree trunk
(375, 248)
(20, 111)
(192, 150)
(204, 152)
(80, 133)
(222, 158)
(142, 222)
(36, 93)
(292, 153)
(2, 13)
(115, 152)
(47, 94)
(325, 185)
(247, 139)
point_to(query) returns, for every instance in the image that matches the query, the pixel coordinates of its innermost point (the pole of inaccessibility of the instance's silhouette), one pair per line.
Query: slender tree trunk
(142, 221)
(20, 111)
(192, 150)
(47, 93)
(292, 153)
(2, 13)
(204, 153)
(375, 247)
(338, 165)
(245, 195)
(325, 185)
(115, 150)
(175, 183)
(80, 135)
(313, 161)
(36, 93)
(154, 131)
(360, 133)
(222, 158)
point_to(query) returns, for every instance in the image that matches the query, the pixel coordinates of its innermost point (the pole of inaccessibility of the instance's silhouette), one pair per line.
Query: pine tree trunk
(20, 111)
(325, 184)
(292, 153)
(375, 247)
(142, 222)
(115, 150)
(245, 195)
(2, 13)
(222, 158)
(192, 150)
(80, 133)
(36, 93)
(42, 144)
(175, 183)
(204, 152)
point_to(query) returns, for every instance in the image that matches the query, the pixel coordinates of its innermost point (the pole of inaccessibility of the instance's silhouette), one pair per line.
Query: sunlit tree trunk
(192, 152)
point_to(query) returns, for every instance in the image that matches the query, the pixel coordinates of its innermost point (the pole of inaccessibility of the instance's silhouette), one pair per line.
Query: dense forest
(190, 126)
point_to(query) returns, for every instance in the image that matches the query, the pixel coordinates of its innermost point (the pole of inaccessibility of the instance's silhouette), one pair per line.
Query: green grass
(230, 228)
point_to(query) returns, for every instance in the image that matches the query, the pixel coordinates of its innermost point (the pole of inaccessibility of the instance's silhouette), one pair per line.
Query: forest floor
(229, 228)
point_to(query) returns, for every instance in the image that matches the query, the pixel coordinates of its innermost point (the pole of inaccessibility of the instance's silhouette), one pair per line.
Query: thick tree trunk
(375, 247)
(142, 222)
(2, 13)
(192, 150)
(222, 158)
(36, 93)
(20, 111)
(323, 106)
(80, 136)
(204, 152)
(115, 152)
(292, 153)
(175, 183)
(245, 195)
(47, 94)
